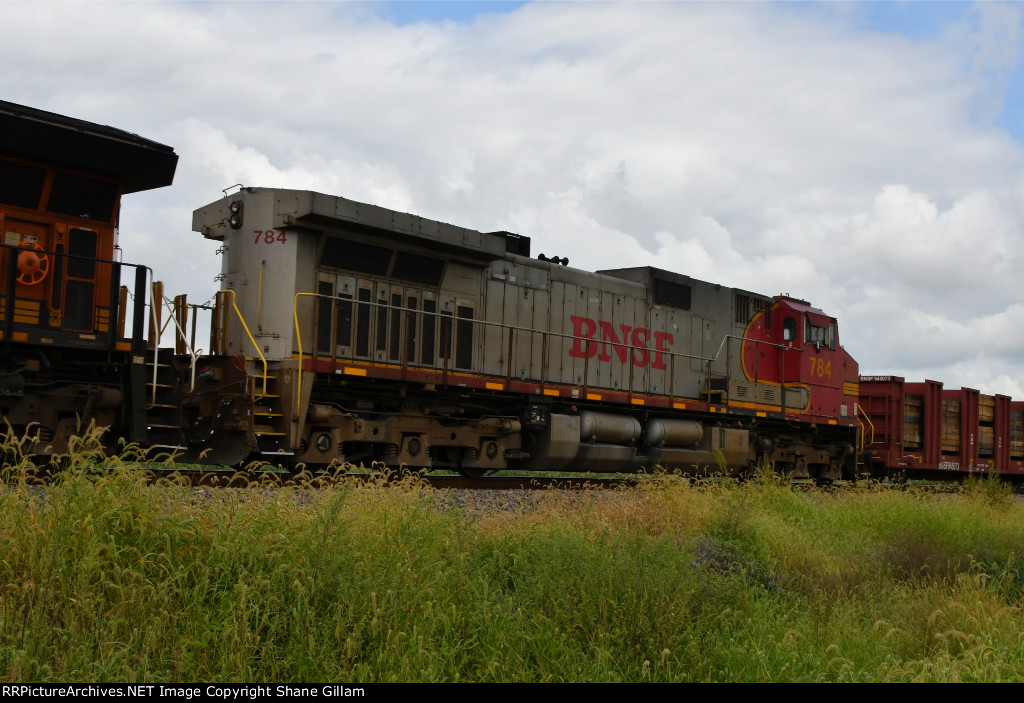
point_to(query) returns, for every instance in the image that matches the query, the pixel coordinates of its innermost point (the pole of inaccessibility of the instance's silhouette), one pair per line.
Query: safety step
(163, 427)
(169, 406)
(267, 431)
(716, 397)
(262, 414)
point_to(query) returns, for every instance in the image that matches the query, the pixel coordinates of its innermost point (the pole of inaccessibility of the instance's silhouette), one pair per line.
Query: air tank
(673, 433)
(610, 429)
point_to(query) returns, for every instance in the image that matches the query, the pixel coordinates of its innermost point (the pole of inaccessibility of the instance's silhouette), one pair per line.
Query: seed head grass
(105, 576)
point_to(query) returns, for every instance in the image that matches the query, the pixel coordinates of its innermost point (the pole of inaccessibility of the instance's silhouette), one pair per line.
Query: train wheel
(821, 474)
(451, 458)
(849, 471)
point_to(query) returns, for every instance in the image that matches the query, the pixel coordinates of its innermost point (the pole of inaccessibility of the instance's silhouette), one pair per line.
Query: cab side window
(789, 329)
(820, 336)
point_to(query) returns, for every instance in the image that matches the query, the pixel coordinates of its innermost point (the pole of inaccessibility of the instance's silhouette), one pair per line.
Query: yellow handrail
(865, 418)
(251, 339)
(298, 338)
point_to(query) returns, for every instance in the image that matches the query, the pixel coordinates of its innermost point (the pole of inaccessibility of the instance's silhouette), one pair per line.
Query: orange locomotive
(66, 359)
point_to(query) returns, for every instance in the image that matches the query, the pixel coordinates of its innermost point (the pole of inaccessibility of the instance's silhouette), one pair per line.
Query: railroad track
(248, 478)
(229, 478)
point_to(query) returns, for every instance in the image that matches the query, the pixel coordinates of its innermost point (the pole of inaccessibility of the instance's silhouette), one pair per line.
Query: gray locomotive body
(372, 335)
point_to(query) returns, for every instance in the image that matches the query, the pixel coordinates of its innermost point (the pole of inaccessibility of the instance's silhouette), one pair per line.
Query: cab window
(820, 336)
(789, 329)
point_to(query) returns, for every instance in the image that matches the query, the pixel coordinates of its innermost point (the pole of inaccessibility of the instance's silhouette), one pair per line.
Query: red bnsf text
(585, 329)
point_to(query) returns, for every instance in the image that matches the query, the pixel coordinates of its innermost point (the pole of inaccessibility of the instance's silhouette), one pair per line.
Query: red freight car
(917, 429)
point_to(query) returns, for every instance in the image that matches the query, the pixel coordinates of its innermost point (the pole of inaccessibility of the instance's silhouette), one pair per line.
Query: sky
(866, 157)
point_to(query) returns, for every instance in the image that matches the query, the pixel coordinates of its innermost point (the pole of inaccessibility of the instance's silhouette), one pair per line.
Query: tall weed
(108, 577)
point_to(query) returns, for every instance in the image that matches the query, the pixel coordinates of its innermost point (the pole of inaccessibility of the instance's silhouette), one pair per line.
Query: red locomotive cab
(801, 352)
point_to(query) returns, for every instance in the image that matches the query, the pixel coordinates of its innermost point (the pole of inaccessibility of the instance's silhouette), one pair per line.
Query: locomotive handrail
(585, 342)
(545, 335)
(748, 339)
(155, 306)
(180, 337)
(440, 315)
(782, 379)
(115, 277)
(254, 344)
(502, 325)
(298, 338)
(863, 431)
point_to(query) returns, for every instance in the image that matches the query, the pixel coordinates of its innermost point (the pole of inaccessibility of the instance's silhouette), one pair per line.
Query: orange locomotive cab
(61, 181)
(57, 265)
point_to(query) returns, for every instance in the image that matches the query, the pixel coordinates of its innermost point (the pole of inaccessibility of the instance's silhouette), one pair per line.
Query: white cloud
(754, 145)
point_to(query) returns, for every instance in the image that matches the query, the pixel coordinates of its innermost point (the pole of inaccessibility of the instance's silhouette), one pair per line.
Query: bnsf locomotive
(368, 334)
(346, 332)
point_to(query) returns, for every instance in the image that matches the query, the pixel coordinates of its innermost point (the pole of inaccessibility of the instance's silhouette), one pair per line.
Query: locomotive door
(381, 315)
(640, 358)
(821, 367)
(25, 271)
(334, 318)
(410, 326)
(397, 325)
(679, 377)
(456, 333)
(790, 358)
(697, 364)
(428, 333)
(81, 280)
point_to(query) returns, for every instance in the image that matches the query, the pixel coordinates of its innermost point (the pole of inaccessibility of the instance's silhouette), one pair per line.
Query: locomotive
(374, 335)
(347, 332)
(72, 347)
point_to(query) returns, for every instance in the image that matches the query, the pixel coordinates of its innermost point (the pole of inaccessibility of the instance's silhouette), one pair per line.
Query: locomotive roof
(138, 163)
(334, 214)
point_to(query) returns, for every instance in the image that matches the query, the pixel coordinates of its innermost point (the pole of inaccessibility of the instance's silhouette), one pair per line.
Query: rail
(447, 343)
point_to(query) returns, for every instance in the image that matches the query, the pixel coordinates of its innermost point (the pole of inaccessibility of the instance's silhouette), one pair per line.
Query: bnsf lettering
(583, 328)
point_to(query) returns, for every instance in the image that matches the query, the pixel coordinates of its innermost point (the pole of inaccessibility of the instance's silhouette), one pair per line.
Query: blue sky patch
(403, 12)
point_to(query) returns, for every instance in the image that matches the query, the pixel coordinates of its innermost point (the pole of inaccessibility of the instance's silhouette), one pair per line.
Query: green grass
(112, 579)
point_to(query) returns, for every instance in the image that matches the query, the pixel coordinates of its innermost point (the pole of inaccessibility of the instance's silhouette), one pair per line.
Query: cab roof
(138, 163)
